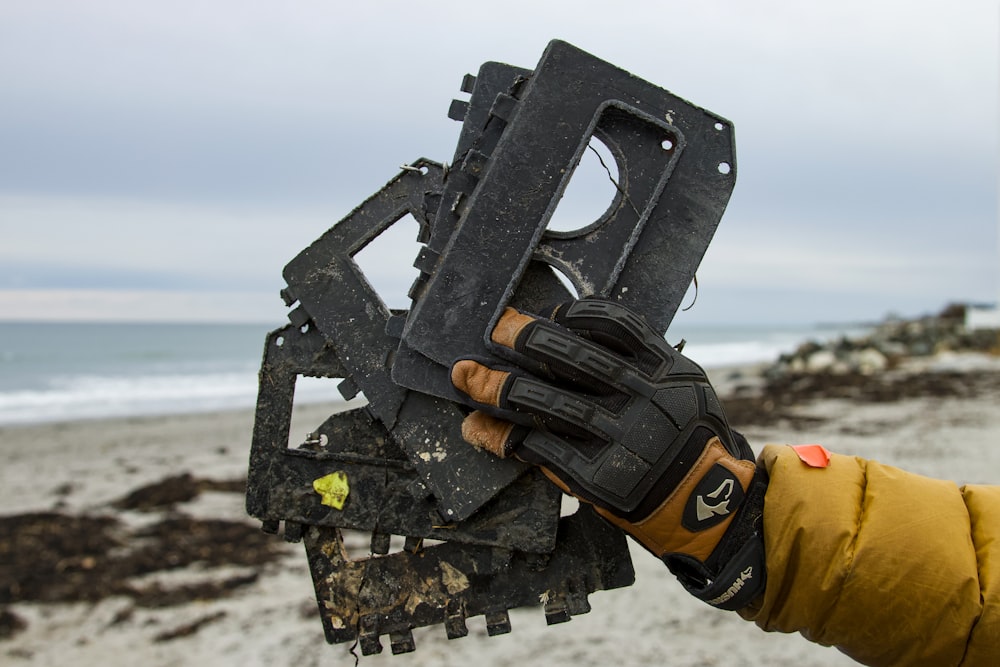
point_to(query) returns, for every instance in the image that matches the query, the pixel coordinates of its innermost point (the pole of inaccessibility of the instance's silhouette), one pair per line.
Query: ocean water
(58, 372)
(63, 371)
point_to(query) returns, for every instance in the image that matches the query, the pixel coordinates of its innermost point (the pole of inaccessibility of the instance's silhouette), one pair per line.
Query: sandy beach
(94, 574)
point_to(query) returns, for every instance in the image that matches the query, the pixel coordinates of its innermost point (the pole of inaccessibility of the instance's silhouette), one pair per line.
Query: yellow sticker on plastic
(333, 489)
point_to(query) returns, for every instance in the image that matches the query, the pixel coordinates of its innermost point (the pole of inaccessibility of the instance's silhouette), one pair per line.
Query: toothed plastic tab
(418, 286)
(454, 620)
(368, 636)
(394, 326)
(293, 531)
(457, 110)
(468, 83)
(577, 603)
(413, 544)
(475, 163)
(556, 610)
(348, 389)
(426, 260)
(270, 526)
(497, 623)
(288, 296)
(298, 317)
(401, 642)
(380, 543)
(503, 107)
(576, 595)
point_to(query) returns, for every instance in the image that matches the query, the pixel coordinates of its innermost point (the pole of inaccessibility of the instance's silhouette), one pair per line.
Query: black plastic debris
(480, 535)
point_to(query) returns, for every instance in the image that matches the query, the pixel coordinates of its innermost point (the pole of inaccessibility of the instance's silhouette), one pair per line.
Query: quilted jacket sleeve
(890, 567)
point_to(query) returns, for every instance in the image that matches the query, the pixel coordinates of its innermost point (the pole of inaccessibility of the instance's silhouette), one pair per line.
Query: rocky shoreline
(889, 345)
(928, 357)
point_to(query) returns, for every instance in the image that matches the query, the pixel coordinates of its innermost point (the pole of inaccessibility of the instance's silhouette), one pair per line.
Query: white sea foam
(99, 396)
(713, 355)
(713, 348)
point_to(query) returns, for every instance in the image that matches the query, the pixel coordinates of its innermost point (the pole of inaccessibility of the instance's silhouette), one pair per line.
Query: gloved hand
(621, 420)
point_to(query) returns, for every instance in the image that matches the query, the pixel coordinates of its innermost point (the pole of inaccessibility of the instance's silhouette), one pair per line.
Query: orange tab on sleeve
(814, 456)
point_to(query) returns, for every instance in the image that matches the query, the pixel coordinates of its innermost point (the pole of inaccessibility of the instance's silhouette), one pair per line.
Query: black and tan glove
(621, 420)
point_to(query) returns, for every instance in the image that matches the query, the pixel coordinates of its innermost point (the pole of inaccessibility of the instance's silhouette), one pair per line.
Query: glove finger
(516, 396)
(504, 439)
(484, 388)
(497, 436)
(553, 351)
(616, 328)
(561, 411)
(619, 329)
(484, 385)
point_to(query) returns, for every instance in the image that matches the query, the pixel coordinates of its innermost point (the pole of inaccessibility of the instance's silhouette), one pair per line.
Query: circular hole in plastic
(724, 168)
(591, 189)
(279, 341)
(667, 144)
(719, 126)
(566, 282)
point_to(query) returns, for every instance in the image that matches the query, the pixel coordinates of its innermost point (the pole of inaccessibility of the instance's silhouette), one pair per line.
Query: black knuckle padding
(543, 399)
(606, 319)
(559, 347)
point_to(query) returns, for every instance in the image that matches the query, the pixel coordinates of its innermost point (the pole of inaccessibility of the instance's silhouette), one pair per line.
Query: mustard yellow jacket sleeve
(890, 567)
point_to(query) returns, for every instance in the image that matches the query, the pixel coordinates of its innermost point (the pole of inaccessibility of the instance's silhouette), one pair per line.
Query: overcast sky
(165, 160)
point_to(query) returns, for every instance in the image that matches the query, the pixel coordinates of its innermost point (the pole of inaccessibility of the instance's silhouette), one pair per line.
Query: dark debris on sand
(175, 489)
(57, 557)
(188, 629)
(782, 394)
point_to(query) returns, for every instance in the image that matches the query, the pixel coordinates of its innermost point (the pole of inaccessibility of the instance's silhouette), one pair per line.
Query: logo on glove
(716, 496)
(745, 576)
(704, 511)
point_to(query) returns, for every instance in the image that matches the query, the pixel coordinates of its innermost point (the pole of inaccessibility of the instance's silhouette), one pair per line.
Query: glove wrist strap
(735, 574)
(738, 583)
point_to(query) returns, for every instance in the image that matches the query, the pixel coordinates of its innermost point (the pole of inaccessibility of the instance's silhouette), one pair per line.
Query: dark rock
(868, 369)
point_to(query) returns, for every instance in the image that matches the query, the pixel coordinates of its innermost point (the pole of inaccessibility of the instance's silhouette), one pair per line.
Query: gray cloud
(199, 146)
